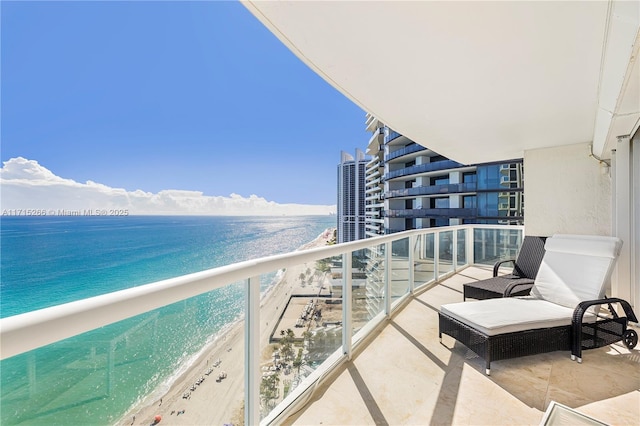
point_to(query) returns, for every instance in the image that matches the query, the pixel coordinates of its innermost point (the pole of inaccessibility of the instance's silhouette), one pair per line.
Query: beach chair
(561, 313)
(519, 281)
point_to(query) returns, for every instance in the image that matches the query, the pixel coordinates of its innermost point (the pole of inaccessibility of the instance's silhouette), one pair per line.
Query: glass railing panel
(445, 252)
(423, 168)
(424, 259)
(399, 279)
(492, 244)
(404, 151)
(461, 247)
(360, 314)
(431, 213)
(112, 373)
(375, 282)
(301, 325)
(430, 190)
(391, 136)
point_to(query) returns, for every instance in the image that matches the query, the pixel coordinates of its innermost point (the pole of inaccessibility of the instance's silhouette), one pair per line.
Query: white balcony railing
(392, 266)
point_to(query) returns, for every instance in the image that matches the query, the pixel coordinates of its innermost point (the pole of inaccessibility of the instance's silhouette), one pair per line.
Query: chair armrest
(497, 265)
(578, 316)
(510, 288)
(578, 313)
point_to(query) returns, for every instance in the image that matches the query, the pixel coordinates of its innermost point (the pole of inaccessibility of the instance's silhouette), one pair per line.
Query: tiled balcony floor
(405, 376)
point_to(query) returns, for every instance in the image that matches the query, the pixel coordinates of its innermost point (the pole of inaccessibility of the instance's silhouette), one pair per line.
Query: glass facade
(351, 198)
(425, 189)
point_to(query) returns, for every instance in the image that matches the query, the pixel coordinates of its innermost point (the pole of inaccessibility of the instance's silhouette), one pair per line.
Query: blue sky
(191, 96)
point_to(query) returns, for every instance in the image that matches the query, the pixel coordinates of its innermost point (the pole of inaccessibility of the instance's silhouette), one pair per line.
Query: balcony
(423, 168)
(391, 136)
(379, 347)
(405, 376)
(452, 188)
(431, 213)
(405, 151)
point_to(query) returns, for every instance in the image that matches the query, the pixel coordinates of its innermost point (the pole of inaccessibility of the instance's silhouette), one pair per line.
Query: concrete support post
(454, 250)
(412, 245)
(347, 299)
(252, 351)
(623, 221)
(387, 279)
(436, 255)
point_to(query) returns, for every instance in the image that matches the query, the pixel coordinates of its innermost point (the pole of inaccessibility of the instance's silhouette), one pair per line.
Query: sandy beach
(220, 401)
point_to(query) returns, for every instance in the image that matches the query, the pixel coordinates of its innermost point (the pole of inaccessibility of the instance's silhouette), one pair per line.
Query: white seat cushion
(507, 315)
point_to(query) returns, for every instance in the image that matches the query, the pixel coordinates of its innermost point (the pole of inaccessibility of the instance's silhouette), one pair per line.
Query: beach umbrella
(157, 419)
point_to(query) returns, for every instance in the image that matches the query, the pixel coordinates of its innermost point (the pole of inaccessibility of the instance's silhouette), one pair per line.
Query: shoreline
(176, 408)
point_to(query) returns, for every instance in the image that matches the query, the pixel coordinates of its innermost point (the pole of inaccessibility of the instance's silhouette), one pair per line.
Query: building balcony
(423, 168)
(391, 136)
(411, 149)
(377, 138)
(374, 173)
(369, 369)
(373, 190)
(452, 188)
(386, 382)
(371, 122)
(372, 184)
(431, 213)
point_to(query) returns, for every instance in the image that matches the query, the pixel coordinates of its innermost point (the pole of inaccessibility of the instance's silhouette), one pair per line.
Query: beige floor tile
(405, 376)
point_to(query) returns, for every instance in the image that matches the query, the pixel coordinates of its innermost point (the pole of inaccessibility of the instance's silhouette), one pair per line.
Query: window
(469, 177)
(440, 203)
(440, 180)
(488, 204)
(469, 202)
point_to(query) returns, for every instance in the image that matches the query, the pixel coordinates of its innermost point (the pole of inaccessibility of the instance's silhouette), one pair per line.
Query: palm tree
(297, 363)
(269, 388)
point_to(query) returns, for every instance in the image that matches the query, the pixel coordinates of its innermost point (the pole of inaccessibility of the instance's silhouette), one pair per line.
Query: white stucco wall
(566, 192)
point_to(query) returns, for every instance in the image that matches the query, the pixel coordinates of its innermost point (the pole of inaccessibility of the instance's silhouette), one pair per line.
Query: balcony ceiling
(475, 81)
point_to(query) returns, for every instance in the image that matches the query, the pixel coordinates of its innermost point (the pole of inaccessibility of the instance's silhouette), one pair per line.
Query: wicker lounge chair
(519, 281)
(560, 313)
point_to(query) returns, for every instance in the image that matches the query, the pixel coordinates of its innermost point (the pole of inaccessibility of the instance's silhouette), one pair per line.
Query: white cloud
(25, 184)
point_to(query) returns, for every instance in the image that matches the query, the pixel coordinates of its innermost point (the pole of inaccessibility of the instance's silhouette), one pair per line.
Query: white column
(621, 215)
(635, 225)
(347, 299)
(412, 245)
(252, 351)
(387, 279)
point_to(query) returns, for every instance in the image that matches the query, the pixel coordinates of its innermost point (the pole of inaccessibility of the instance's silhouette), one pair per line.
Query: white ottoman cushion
(508, 315)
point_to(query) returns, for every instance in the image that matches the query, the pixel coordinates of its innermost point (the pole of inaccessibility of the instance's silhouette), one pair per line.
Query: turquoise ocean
(95, 378)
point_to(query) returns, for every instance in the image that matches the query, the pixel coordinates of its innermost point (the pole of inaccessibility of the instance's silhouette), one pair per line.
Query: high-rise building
(409, 186)
(351, 200)
(374, 184)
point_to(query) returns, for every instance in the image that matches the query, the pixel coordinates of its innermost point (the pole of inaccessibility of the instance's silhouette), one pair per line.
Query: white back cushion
(575, 268)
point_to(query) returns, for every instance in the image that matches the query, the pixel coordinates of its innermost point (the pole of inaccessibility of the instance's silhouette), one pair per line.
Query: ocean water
(96, 377)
